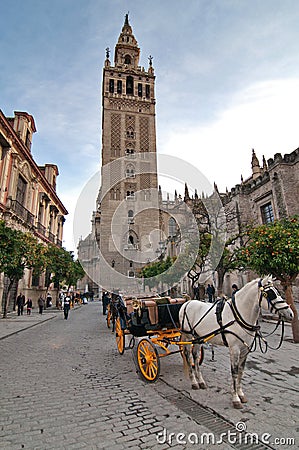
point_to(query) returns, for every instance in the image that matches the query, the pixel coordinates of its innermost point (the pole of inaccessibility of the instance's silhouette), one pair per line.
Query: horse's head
(271, 299)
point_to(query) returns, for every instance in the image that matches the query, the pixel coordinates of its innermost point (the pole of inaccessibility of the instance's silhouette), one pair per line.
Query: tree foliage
(18, 251)
(62, 266)
(274, 249)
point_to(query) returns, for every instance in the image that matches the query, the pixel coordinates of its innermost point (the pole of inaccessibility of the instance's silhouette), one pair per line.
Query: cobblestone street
(64, 386)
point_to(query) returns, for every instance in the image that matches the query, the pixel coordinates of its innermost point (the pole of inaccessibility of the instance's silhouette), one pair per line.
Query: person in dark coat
(20, 303)
(66, 306)
(211, 292)
(41, 304)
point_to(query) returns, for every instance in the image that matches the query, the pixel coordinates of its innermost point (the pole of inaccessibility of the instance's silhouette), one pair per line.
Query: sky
(227, 81)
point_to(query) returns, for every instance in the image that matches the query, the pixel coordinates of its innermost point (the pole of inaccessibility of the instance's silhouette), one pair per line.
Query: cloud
(263, 117)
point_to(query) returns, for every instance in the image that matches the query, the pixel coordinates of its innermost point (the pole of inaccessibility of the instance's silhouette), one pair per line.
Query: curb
(27, 328)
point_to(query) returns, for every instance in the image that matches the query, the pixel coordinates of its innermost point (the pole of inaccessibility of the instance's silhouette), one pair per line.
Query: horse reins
(265, 292)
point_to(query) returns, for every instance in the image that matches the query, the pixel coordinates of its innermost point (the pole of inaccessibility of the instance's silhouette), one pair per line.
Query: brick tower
(127, 220)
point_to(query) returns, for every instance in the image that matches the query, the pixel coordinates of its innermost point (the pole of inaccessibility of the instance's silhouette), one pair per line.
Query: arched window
(119, 86)
(130, 195)
(172, 227)
(130, 216)
(130, 171)
(130, 85)
(111, 85)
(131, 241)
(128, 59)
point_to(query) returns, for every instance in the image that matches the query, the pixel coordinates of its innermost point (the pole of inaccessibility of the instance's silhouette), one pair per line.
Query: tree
(75, 272)
(18, 251)
(274, 249)
(62, 267)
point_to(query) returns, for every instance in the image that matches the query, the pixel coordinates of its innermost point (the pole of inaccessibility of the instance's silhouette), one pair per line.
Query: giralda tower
(127, 218)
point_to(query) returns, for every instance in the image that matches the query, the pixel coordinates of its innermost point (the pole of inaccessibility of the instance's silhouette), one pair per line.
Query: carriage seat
(156, 313)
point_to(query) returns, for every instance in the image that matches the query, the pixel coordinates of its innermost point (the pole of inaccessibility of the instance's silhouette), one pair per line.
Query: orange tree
(18, 251)
(274, 249)
(62, 267)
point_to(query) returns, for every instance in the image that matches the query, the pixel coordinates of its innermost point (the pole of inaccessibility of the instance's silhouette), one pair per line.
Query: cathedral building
(133, 225)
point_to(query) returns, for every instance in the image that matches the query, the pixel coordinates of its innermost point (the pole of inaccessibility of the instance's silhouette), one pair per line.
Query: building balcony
(21, 211)
(51, 237)
(41, 229)
(131, 247)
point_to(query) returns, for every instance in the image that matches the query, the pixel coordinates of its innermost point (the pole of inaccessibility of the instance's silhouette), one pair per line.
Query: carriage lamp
(112, 263)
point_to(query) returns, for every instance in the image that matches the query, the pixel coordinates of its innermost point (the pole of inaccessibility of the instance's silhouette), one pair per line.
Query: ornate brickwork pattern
(130, 122)
(145, 181)
(115, 134)
(144, 134)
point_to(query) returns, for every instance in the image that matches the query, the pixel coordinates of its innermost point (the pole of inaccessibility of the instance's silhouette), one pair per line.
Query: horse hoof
(237, 405)
(195, 387)
(243, 399)
(202, 385)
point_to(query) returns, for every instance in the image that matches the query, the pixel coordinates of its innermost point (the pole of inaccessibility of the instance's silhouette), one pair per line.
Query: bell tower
(127, 220)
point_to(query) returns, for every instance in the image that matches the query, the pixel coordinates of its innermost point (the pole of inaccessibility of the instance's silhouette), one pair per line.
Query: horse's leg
(188, 362)
(196, 353)
(234, 361)
(243, 356)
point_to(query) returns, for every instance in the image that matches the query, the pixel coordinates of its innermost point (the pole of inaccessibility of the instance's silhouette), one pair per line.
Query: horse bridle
(270, 293)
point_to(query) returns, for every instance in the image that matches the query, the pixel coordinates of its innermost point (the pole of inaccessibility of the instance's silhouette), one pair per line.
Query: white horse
(232, 323)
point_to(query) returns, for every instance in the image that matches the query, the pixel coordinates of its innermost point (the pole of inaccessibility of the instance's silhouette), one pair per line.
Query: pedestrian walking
(66, 306)
(211, 292)
(29, 306)
(20, 303)
(48, 300)
(41, 304)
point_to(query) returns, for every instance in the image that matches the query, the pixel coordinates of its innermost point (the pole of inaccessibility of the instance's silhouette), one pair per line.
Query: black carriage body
(156, 314)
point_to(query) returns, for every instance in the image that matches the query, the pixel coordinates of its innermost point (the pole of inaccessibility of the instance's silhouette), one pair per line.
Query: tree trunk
(5, 296)
(221, 273)
(290, 301)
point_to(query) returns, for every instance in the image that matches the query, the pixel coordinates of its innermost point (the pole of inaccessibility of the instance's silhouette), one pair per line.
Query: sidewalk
(15, 324)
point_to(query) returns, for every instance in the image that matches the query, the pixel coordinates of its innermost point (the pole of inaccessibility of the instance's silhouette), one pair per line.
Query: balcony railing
(41, 229)
(51, 237)
(131, 247)
(21, 211)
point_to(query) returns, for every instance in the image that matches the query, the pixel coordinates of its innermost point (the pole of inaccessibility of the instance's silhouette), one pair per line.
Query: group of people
(21, 303)
(210, 292)
(64, 301)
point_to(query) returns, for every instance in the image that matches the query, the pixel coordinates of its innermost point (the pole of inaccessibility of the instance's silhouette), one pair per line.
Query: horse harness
(267, 291)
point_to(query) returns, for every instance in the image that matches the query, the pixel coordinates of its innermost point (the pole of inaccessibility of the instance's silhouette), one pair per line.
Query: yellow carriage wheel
(108, 318)
(120, 337)
(148, 361)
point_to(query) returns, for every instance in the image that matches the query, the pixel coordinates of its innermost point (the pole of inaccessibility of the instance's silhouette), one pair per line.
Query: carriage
(155, 321)
(161, 322)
